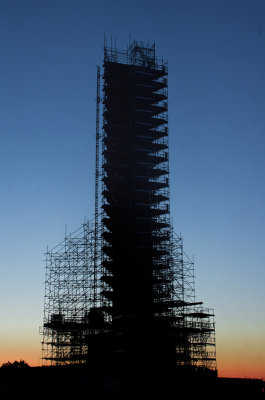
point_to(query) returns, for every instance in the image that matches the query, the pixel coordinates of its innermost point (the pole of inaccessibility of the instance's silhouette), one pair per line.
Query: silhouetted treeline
(15, 364)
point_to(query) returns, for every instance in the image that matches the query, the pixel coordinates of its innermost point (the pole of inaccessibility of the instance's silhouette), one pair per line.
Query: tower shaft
(136, 188)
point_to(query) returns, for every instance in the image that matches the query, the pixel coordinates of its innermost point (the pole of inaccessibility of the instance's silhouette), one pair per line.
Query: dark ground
(133, 383)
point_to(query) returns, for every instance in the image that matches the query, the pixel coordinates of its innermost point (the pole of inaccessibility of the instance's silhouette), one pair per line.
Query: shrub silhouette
(15, 364)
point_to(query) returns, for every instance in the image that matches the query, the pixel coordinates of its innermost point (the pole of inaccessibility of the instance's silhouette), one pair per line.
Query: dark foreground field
(132, 383)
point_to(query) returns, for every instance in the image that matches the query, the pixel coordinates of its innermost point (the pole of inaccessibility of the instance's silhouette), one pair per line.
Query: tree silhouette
(15, 364)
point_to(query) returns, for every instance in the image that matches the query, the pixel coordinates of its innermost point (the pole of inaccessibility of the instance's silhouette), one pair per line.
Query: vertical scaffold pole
(96, 187)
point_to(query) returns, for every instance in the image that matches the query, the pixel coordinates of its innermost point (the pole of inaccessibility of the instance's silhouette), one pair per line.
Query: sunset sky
(216, 55)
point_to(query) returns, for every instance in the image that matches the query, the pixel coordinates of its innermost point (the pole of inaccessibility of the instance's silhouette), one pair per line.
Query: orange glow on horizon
(30, 357)
(21, 348)
(237, 357)
(243, 366)
(241, 371)
(241, 356)
(226, 368)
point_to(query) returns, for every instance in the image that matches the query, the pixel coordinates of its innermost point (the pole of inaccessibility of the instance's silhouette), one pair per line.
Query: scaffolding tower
(72, 314)
(130, 292)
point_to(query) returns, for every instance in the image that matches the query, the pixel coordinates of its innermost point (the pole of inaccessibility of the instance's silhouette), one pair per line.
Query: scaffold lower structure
(74, 316)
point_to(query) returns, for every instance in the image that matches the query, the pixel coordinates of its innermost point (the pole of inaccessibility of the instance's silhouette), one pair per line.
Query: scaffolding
(194, 321)
(72, 313)
(124, 284)
(69, 296)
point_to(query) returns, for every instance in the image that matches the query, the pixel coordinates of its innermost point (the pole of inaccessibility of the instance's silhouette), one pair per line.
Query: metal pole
(96, 187)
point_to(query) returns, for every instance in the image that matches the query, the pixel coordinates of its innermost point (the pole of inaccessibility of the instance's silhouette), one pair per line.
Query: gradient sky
(216, 52)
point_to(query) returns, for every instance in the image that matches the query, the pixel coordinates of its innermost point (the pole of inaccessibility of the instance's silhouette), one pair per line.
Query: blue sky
(216, 54)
